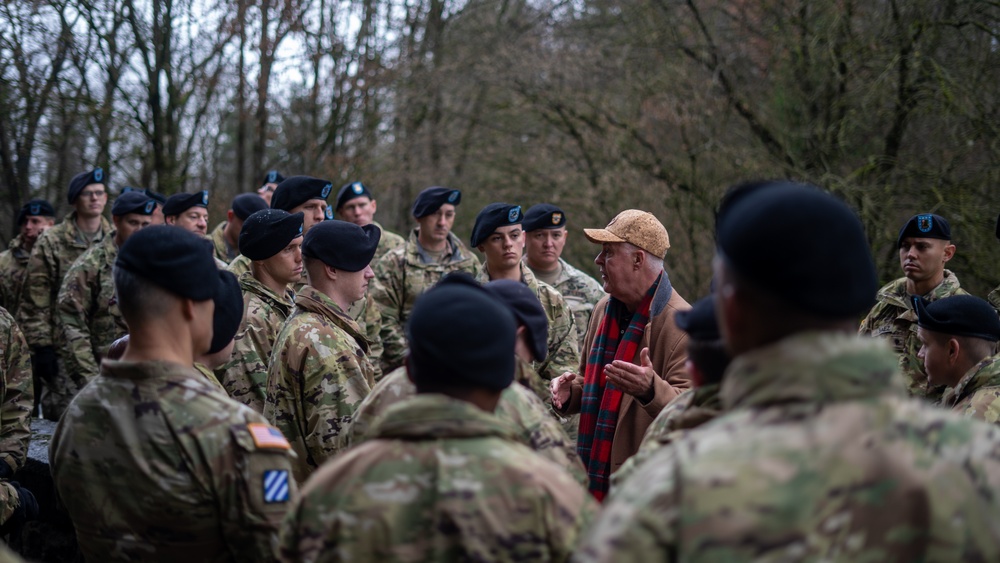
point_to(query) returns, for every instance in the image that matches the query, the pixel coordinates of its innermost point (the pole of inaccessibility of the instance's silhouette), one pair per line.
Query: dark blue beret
(35, 208)
(347, 192)
(699, 321)
(461, 335)
(926, 225)
(272, 177)
(228, 311)
(800, 244)
(246, 204)
(179, 203)
(266, 232)
(431, 199)
(527, 310)
(177, 260)
(491, 218)
(158, 198)
(342, 245)
(82, 180)
(293, 192)
(543, 216)
(133, 202)
(958, 315)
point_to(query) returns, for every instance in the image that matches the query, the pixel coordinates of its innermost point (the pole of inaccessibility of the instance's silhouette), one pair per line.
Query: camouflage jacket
(153, 463)
(56, 250)
(581, 293)
(994, 298)
(87, 310)
(977, 394)
(365, 312)
(223, 252)
(401, 276)
(239, 265)
(818, 457)
(210, 378)
(13, 268)
(388, 241)
(317, 376)
(894, 319)
(441, 480)
(264, 312)
(518, 405)
(18, 396)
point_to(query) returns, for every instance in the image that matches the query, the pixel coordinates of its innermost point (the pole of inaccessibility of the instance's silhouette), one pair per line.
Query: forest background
(596, 106)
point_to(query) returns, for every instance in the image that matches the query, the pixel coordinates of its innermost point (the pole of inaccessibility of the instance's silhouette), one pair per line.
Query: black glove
(44, 363)
(27, 508)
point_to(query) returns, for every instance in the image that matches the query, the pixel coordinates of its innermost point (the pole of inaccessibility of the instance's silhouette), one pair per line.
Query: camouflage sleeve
(39, 293)
(9, 501)
(244, 376)
(984, 405)
(994, 299)
(18, 398)
(73, 317)
(541, 430)
(388, 296)
(370, 321)
(563, 345)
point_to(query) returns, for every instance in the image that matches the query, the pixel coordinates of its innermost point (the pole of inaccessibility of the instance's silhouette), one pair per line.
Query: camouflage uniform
(244, 376)
(209, 377)
(442, 480)
(581, 293)
(18, 396)
(88, 314)
(994, 299)
(13, 268)
(388, 241)
(977, 394)
(402, 275)
(152, 463)
(518, 406)
(241, 264)
(221, 249)
(819, 457)
(893, 318)
(365, 312)
(317, 376)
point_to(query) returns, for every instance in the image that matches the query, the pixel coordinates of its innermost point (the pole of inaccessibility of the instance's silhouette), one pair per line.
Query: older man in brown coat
(632, 363)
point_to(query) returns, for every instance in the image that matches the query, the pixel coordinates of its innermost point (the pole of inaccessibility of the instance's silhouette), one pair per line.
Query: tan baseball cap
(639, 228)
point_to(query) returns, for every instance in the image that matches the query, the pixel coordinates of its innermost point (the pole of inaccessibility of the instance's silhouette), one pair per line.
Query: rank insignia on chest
(267, 436)
(275, 485)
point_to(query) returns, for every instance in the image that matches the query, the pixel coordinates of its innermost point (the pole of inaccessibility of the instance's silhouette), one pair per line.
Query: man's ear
(638, 258)
(949, 252)
(954, 351)
(331, 272)
(697, 378)
(374, 206)
(230, 215)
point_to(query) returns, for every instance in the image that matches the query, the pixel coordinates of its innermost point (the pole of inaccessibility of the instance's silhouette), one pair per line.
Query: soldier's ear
(954, 351)
(949, 251)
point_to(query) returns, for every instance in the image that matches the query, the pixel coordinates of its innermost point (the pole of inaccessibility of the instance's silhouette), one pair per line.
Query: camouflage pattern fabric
(894, 319)
(154, 464)
(994, 299)
(519, 406)
(402, 275)
(977, 394)
(18, 394)
(317, 376)
(819, 457)
(442, 480)
(220, 248)
(13, 268)
(244, 376)
(365, 312)
(240, 265)
(581, 292)
(210, 378)
(388, 241)
(9, 501)
(88, 314)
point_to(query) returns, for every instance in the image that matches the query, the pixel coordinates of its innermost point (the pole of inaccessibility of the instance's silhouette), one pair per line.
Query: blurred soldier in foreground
(924, 248)
(958, 337)
(34, 218)
(994, 296)
(188, 211)
(319, 371)
(17, 504)
(356, 204)
(819, 455)
(545, 227)
(442, 478)
(270, 183)
(225, 236)
(152, 462)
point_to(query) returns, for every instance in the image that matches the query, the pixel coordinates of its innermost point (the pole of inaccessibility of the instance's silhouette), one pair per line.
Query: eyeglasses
(94, 194)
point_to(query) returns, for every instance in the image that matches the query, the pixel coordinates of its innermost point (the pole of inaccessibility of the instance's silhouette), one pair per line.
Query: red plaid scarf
(601, 401)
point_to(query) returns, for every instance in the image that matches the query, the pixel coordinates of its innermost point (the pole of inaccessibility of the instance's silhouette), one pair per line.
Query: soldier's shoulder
(984, 404)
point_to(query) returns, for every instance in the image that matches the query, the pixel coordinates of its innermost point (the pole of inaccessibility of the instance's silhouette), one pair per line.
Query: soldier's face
(936, 353)
(353, 285)
(286, 266)
(924, 258)
(34, 226)
(314, 211)
(360, 211)
(129, 224)
(91, 201)
(545, 246)
(194, 219)
(436, 226)
(504, 247)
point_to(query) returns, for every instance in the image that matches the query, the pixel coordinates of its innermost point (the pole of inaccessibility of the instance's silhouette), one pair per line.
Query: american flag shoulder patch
(275, 485)
(267, 436)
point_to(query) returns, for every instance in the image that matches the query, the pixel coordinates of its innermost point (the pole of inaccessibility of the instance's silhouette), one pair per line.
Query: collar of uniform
(250, 284)
(312, 300)
(419, 256)
(811, 367)
(896, 294)
(433, 416)
(527, 276)
(75, 236)
(154, 369)
(984, 374)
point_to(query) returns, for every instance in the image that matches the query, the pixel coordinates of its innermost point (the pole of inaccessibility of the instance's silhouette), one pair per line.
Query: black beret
(35, 208)
(431, 199)
(528, 311)
(179, 203)
(461, 335)
(958, 315)
(699, 321)
(347, 192)
(543, 216)
(926, 225)
(158, 198)
(998, 226)
(293, 192)
(133, 202)
(246, 204)
(342, 245)
(228, 311)
(491, 218)
(801, 244)
(266, 232)
(272, 177)
(82, 180)
(177, 260)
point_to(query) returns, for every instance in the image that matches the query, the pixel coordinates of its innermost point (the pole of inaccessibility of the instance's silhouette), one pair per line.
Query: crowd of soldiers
(300, 384)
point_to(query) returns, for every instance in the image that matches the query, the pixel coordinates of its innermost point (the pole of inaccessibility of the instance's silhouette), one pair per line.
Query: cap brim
(600, 236)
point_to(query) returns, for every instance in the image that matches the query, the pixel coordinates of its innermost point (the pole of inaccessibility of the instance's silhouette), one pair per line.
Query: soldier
(188, 211)
(53, 254)
(319, 371)
(443, 479)
(545, 229)
(270, 183)
(17, 504)
(225, 236)
(157, 217)
(958, 342)
(152, 462)
(356, 204)
(430, 252)
(925, 247)
(819, 455)
(34, 218)
(87, 306)
(272, 240)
